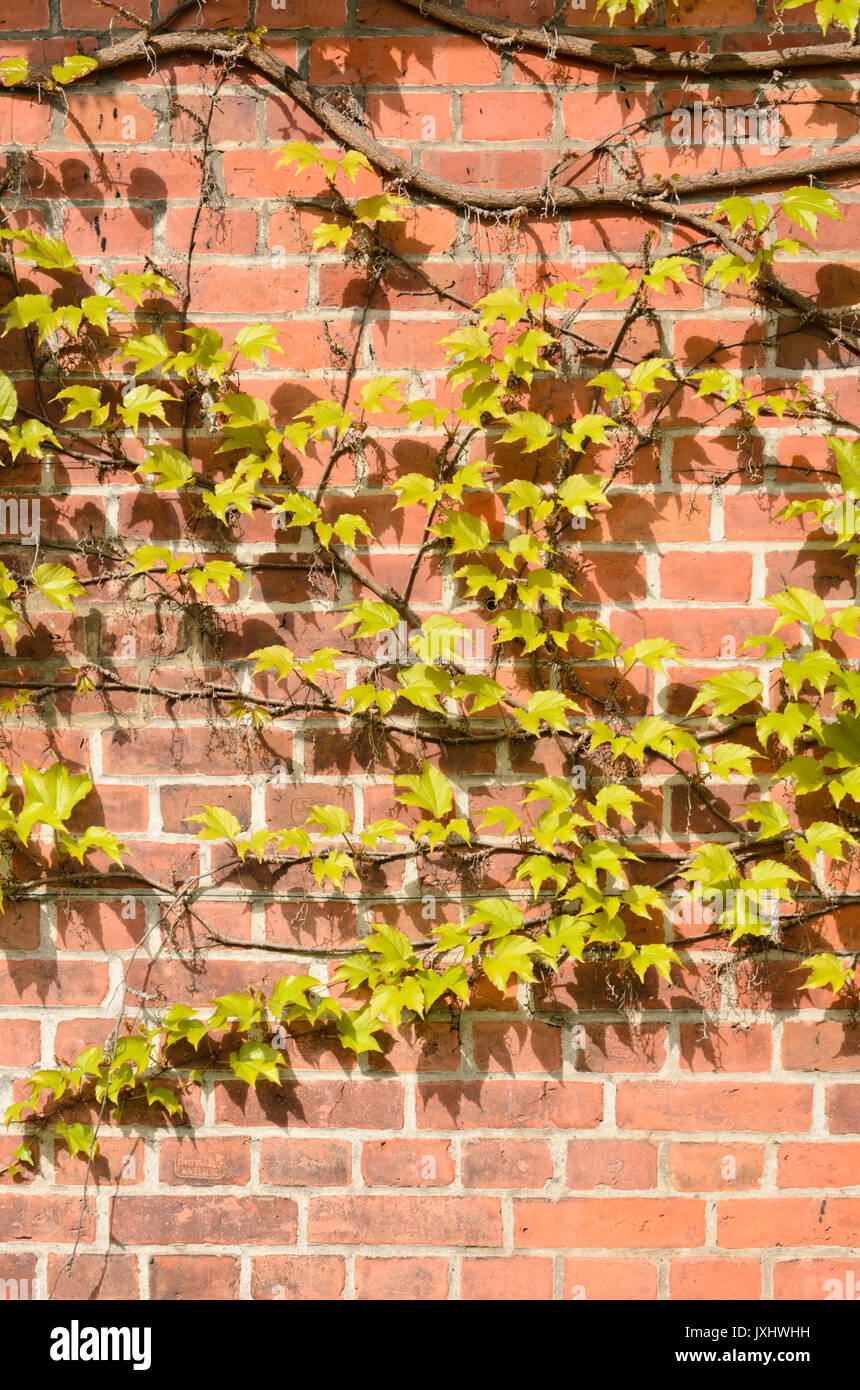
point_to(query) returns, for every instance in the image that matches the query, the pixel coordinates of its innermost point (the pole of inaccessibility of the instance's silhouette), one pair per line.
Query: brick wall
(701, 1144)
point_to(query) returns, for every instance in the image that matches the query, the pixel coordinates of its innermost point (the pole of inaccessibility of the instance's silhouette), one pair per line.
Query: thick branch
(537, 198)
(630, 58)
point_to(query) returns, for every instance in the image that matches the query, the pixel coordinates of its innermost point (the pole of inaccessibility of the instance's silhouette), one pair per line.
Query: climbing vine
(512, 484)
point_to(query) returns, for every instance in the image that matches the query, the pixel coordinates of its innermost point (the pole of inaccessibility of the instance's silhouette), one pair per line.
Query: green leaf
(95, 837)
(381, 207)
(504, 304)
(255, 340)
(511, 956)
(29, 438)
(464, 531)
(221, 573)
(140, 283)
(826, 971)
(502, 914)
(588, 427)
(826, 837)
(170, 467)
(75, 66)
(84, 400)
(728, 693)
(164, 1096)
(548, 706)
(58, 585)
(13, 70)
(148, 351)
(532, 430)
(581, 491)
(357, 1030)
(651, 652)
(799, 606)
(804, 205)
(843, 736)
(770, 817)
(216, 824)
(25, 309)
(370, 617)
(8, 398)
(333, 819)
(243, 1007)
(49, 253)
(615, 798)
(380, 389)
(79, 1138)
(291, 992)
(143, 400)
(641, 958)
(430, 792)
(333, 866)
(538, 869)
(96, 308)
(738, 210)
(255, 1061)
(513, 625)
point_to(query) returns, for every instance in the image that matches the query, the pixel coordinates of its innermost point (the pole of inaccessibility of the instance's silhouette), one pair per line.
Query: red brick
(506, 1163)
(705, 1277)
(622, 1280)
(597, 115)
(19, 927)
(49, 984)
(22, 1283)
(227, 232)
(778, 1221)
(818, 1166)
(707, 1167)
(646, 1223)
(618, 1047)
(405, 1221)
(47, 1220)
(199, 1220)
(726, 1049)
(508, 1104)
(612, 1163)
(512, 1046)
(289, 1277)
(20, 1042)
(108, 120)
(843, 1109)
(376, 1104)
(709, 576)
(824, 1046)
(418, 1278)
(196, 1162)
(93, 1278)
(521, 115)
(831, 1280)
(139, 751)
(183, 1277)
(410, 62)
(297, 1162)
(120, 1162)
(740, 1105)
(407, 1163)
(24, 121)
(513, 1277)
(98, 926)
